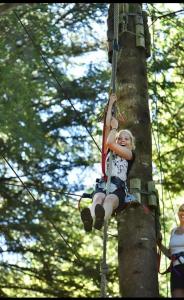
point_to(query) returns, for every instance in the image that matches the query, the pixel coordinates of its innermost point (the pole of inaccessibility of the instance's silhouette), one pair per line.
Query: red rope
(103, 148)
(104, 153)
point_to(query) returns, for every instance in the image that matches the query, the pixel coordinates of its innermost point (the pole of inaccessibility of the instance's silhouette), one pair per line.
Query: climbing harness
(174, 257)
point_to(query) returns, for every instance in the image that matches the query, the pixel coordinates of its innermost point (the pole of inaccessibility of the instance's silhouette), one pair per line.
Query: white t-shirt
(176, 244)
(119, 166)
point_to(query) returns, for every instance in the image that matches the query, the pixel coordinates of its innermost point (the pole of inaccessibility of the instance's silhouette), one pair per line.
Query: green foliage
(44, 113)
(166, 94)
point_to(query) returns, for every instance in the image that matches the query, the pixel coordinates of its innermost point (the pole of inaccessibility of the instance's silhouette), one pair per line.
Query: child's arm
(112, 100)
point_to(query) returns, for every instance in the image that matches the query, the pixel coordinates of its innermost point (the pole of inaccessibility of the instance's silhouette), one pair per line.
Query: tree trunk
(136, 224)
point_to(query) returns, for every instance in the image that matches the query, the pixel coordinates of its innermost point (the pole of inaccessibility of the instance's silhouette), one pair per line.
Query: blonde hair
(181, 207)
(130, 134)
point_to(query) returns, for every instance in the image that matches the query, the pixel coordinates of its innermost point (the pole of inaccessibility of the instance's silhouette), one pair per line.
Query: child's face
(181, 214)
(124, 139)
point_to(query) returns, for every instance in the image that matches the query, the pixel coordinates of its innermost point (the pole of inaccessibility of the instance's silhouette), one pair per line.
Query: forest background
(55, 80)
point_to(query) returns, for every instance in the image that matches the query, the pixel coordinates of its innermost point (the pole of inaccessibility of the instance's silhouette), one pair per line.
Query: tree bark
(136, 224)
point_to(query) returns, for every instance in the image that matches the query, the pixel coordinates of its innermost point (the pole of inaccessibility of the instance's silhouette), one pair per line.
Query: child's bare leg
(97, 199)
(111, 202)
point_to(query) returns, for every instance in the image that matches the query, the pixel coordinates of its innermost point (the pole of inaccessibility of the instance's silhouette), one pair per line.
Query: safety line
(43, 189)
(104, 266)
(158, 149)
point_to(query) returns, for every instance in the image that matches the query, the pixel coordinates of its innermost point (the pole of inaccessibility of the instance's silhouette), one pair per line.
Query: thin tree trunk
(136, 224)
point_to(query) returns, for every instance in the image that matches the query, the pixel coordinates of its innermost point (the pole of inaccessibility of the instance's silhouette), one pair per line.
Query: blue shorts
(117, 187)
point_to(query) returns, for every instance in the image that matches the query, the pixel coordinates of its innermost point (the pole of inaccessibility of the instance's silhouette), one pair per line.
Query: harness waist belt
(117, 181)
(178, 256)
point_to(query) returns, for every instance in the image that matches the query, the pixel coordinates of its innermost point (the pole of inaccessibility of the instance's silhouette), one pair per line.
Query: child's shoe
(87, 219)
(99, 216)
